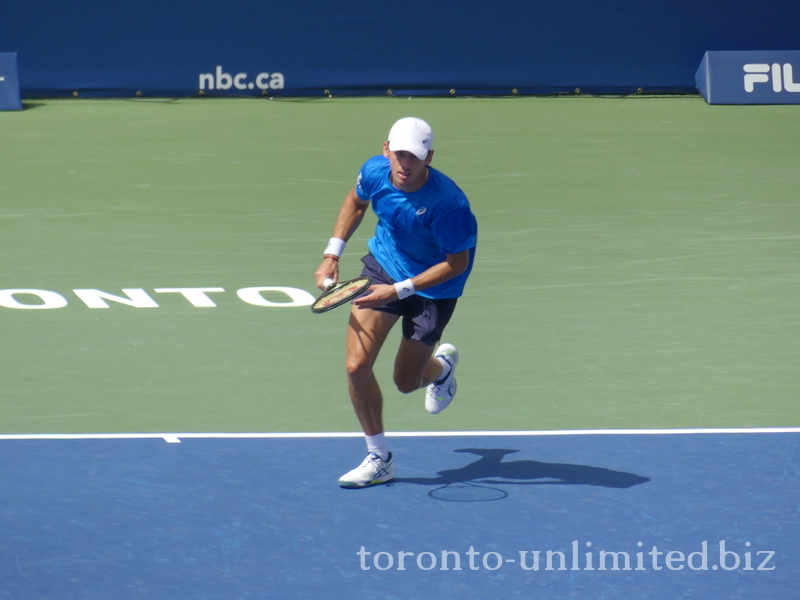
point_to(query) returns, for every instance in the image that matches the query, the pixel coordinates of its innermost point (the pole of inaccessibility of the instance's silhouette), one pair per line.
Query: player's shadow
(477, 481)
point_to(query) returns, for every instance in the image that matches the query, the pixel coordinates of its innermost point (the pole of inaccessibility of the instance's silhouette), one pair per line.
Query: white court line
(175, 438)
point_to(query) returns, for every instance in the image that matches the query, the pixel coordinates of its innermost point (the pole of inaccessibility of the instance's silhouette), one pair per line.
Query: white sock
(446, 368)
(377, 445)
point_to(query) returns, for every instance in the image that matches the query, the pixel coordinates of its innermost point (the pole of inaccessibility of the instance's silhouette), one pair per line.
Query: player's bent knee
(406, 385)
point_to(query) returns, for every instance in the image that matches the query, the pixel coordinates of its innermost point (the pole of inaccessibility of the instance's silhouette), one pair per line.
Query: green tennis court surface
(637, 263)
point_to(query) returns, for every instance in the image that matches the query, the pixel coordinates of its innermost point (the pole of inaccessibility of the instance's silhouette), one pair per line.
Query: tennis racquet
(339, 293)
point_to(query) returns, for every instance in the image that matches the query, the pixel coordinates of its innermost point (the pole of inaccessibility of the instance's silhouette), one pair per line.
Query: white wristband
(335, 247)
(405, 289)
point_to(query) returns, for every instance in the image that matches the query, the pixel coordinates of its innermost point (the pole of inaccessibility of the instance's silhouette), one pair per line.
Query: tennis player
(419, 260)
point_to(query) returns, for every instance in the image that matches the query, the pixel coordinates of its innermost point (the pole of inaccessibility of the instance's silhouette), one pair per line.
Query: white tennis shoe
(372, 471)
(440, 393)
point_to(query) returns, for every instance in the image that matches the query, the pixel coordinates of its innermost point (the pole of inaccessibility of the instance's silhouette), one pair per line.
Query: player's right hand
(329, 269)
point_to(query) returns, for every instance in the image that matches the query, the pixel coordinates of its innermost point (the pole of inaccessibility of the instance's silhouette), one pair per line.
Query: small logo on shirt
(422, 211)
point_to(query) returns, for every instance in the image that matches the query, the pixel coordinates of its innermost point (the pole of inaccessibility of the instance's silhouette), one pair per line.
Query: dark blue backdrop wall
(305, 47)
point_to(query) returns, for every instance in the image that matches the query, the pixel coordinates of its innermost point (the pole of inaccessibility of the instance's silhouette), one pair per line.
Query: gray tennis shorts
(424, 319)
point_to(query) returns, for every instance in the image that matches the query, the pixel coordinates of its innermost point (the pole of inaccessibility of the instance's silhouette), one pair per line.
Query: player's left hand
(378, 296)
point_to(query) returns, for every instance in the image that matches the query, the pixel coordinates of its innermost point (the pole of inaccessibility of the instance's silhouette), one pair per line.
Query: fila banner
(753, 77)
(9, 82)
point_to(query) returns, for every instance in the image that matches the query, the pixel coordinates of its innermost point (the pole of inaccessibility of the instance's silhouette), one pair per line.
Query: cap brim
(421, 152)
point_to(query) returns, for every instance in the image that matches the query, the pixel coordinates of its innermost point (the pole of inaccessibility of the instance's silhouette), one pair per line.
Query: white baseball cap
(412, 135)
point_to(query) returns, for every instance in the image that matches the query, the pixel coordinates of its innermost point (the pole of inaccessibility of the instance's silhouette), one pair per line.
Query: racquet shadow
(478, 481)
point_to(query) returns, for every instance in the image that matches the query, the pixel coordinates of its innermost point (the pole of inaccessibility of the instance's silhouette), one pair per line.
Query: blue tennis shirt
(416, 230)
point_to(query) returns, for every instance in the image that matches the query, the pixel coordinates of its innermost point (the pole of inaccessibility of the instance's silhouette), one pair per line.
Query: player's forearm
(453, 266)
(350, 216)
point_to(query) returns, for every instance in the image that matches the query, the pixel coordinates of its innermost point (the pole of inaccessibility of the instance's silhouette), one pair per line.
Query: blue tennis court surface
(706, 516)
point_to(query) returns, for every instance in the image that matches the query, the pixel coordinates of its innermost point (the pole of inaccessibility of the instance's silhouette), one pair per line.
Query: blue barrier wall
(304, 47)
